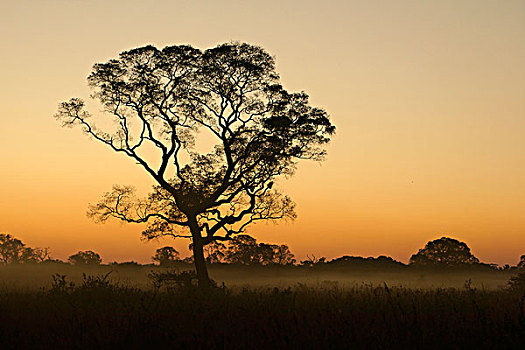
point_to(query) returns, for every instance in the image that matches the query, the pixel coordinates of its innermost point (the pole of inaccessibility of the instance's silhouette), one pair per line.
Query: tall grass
(100, 312)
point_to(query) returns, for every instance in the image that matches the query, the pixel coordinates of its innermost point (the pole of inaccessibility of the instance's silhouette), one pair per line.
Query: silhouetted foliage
(311, 261)
(166, 256)
(93, 282)
(517, 282)
(86, 257)
(39, 255)
(54, 262)
(216, 252)
(12, 250)
(360, 262)
(161, 99)
(173, 279)
(444, 252)
(131, 263)
(96, 315)
(62, 285)
(521, 263)
(282, 255)
(244, 250)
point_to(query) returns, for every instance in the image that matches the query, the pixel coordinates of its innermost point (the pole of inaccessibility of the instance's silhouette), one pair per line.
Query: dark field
(259, 308)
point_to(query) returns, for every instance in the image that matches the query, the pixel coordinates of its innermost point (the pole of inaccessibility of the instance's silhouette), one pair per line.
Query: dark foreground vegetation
(445, 298)
(98, 313)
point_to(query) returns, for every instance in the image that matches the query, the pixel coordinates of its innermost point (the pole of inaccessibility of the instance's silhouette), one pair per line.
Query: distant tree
(386, 260)
(312, 261)
(166, 256)
(521, 263)
(87, 257)
(40, 255)
(12, 250)
(125, 263)
(159, 100)
(282, 255)
(517, 282)
(51, 261)
(444, 252)
(216, 252)
(245, 250)
(505, 267)
(361, 262)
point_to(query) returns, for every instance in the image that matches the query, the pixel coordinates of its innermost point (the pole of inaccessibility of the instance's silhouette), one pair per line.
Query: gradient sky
(428, 98)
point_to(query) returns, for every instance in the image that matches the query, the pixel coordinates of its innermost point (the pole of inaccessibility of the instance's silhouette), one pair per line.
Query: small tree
(40, 255)
(216, 252)
(517, 282)
(12, 250)
(282, 255)
(87, 257)
(166, 256)
(244, 250)
(161, 100)
(444, 252)
(521, 263)
(311, 261)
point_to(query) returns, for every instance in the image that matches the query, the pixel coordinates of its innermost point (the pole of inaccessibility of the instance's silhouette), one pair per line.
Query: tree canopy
(166, 101)
(85, 257)
(444, 251)
(166, 256)
(12, 250)
(521, 263)
(245, 250)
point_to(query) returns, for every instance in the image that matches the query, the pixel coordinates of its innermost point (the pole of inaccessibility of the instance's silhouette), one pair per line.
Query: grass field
(259, 309)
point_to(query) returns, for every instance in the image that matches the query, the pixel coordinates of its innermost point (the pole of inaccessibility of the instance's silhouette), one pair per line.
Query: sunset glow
(427, 97)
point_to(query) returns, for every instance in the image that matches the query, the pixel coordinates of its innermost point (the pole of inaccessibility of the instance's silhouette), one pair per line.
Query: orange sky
(428, 98)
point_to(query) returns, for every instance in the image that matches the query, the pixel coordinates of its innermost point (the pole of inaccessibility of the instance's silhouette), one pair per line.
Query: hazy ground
(37, 276)
(261, 308)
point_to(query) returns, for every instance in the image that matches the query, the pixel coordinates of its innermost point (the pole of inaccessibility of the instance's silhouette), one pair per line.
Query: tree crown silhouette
(85, 257)
(444, 252)
(164, 102)
(13, 250)
(166, 256)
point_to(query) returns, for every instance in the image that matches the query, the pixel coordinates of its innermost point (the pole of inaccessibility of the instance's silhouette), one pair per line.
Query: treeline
(244, 250)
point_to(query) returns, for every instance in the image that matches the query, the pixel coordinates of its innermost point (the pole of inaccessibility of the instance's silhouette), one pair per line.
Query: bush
(173, 279)
(517, 282)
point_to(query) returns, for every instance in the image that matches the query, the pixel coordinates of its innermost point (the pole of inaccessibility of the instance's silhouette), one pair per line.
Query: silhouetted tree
(166, 256)
(12, 250)
(160, 100)
(313, 260)
(215, 252)
(381, 262)
(40, 255)
(244, 250)
(282, 255)
(444, 252)
(87, 257)
(517, 282)
(131, 263)
(521, 263)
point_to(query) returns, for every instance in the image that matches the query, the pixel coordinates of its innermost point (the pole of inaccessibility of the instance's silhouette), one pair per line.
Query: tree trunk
(198, 256)
(200, 264)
